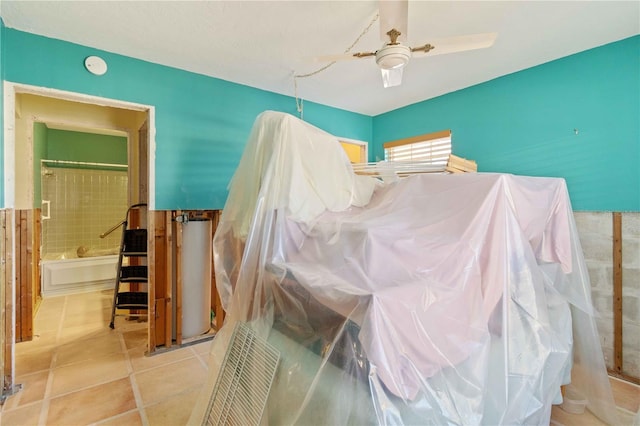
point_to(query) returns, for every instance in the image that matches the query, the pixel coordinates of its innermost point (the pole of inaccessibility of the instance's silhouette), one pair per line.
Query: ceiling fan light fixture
(393, 56)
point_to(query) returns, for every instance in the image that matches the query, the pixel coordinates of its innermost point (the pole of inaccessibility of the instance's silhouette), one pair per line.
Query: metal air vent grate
(242, 388)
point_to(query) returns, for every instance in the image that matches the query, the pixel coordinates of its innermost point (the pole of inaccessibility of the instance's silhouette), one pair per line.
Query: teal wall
(524, 123)
(521, 123)
(55, 144)
(202, 123)
(86, 147)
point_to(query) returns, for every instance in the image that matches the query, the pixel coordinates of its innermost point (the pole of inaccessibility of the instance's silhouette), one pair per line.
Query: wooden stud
(3, 286)
(16, 279)
(27, 326)
(152, 280)
(168, 294)
(7, 306)
(163, 277)
(160, 264)
(178, 295)
(23, 273)
(617, 292)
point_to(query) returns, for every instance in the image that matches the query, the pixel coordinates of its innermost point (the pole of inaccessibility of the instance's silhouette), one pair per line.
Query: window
(432, 148)
(356, 150)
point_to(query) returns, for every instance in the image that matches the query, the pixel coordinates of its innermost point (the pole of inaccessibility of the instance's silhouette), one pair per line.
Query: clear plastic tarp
(435, 299)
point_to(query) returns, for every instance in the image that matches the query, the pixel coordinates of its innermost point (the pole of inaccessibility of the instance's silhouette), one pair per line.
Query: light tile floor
(77, 371)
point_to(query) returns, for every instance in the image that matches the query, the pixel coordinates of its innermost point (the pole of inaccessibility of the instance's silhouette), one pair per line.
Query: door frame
(10, 91)
(7, 286)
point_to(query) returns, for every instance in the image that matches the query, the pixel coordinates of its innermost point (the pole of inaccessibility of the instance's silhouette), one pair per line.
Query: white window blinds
(433, 148)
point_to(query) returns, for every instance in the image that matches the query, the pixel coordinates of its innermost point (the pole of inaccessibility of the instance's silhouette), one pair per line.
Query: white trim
(10, 90)
(9, 177)
(85, 163)
(75, 97)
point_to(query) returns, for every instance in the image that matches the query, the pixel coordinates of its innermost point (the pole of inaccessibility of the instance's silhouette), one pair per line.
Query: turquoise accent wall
(202, 123)
(86, 147)
(524, 123)
(521, 123)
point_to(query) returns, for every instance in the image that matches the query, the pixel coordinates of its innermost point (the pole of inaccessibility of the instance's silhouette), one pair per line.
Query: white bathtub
(66, 276)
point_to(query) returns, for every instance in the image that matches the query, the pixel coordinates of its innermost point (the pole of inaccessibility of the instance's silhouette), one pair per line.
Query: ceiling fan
(394, 54)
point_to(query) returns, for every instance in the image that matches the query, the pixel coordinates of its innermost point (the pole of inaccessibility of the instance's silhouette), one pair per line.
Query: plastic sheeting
(437, 299)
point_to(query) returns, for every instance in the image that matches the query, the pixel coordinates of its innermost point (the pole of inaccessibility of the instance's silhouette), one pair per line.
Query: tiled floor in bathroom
(77, 371)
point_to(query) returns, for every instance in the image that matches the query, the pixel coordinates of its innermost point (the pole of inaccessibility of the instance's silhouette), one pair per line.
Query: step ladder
(133, 249)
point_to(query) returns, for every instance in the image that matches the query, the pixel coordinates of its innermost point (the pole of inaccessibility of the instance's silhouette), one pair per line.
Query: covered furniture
(436, 299)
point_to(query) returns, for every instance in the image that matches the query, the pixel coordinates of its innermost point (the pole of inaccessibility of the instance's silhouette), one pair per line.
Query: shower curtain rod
(84, 163)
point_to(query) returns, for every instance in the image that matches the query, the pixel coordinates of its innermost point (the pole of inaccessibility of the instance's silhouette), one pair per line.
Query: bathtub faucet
(113, 228)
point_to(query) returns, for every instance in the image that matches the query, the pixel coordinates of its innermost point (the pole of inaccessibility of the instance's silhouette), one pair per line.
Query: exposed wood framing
(159, 281)
(6, 260)
(178, 290)
(169, 264)
(152, 278)
(618, 338)
(9, 223)
(24, 276)
(617, 292)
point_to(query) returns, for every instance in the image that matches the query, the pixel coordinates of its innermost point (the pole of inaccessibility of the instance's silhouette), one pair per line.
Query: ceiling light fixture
(393, 56)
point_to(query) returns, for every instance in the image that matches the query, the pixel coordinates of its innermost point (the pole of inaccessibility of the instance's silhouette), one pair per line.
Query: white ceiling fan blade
(342, 57)
(443, 46)
(393, 14)
(391, 77)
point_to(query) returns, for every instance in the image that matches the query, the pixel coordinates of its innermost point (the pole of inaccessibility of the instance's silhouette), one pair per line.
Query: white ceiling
(264, 43)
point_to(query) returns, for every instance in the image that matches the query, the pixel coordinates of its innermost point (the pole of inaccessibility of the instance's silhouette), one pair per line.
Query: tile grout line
(202, 361)
(59, 330)
(175, 361)
(46, 398)
(116, 417)
(132, 380)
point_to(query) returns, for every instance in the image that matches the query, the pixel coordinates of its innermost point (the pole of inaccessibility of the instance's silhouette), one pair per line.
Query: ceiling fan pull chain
(319, 70)
(299, 102)
(366, 30)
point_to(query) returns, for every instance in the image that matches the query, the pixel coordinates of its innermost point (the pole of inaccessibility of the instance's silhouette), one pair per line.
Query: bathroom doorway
(26, 108)
(82, 193)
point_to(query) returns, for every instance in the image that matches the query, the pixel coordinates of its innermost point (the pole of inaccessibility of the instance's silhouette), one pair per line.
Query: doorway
(24, 107)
